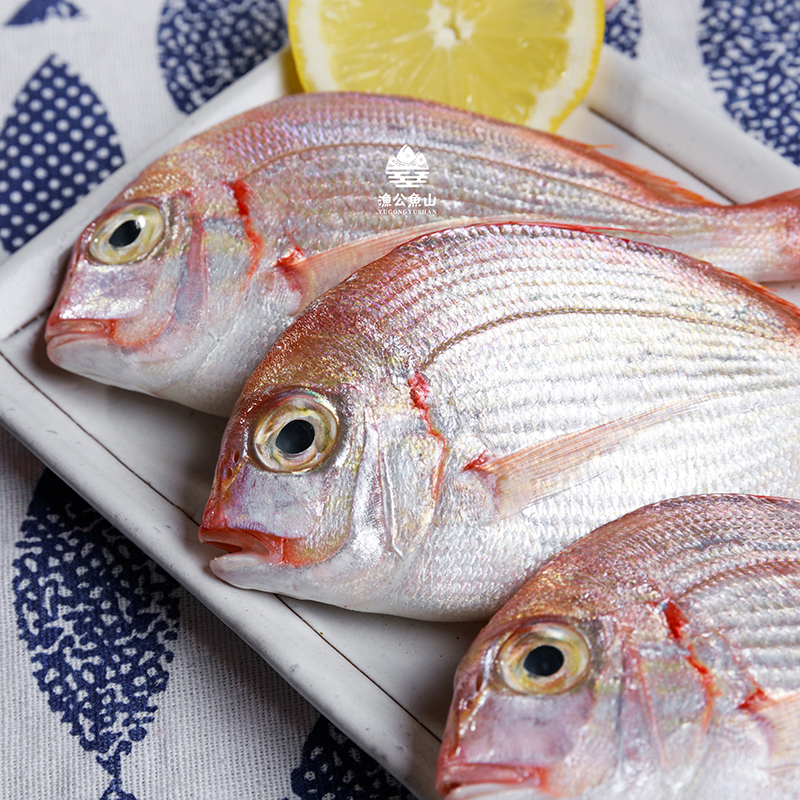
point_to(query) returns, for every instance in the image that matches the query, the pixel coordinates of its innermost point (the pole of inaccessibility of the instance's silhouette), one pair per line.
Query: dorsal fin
(665, 188)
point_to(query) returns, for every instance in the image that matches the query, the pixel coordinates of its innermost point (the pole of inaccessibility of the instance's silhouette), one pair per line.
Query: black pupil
(126, 234)
(295, 437)
(543, 661)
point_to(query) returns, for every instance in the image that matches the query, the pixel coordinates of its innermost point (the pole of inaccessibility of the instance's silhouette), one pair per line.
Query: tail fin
(773, 224)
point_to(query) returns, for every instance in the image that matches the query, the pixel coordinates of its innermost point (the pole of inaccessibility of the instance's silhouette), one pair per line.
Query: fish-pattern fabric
(738, 56)
(75, 76)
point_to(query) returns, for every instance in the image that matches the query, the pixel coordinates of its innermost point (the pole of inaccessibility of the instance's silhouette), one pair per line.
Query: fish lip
(488, 789)
(65, 331)
(268, 547)
(465, 781)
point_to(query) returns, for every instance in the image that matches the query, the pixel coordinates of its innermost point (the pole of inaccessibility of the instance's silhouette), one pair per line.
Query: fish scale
(454, 470)
(691, 690)
(745, 610)
(498, 283)
(723, 535)
(243, 226)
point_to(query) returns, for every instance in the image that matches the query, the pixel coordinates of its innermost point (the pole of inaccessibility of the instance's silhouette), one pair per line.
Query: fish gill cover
(205, 45)
(98, 618)
(751, 50)
(57, 145)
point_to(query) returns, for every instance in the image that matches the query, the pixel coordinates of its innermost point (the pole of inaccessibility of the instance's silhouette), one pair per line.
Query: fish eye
(295, 437)
(543, 661)
(128, 234)
(296, 434)
(546, 658)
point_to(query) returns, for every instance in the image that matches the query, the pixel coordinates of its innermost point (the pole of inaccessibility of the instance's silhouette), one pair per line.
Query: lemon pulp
(525, 61)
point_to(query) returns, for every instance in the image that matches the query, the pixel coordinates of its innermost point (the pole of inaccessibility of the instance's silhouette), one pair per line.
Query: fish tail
(773, 224)
(758, 240)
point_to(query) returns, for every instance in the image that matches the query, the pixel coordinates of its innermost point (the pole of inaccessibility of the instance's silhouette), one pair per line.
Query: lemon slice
(525, 61)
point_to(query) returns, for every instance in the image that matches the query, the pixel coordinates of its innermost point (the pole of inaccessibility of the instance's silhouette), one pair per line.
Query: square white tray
(147, 465)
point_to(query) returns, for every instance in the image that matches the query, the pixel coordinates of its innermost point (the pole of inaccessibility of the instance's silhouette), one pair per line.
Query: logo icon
(407, 168)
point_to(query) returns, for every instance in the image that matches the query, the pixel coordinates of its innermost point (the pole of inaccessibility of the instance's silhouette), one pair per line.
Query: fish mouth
(266, 546)
(467, 781)
(64, 331)
(495, 789)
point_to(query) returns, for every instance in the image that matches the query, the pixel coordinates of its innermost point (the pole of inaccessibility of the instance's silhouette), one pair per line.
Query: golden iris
(297, 433)
(129, 234)
(546, 658)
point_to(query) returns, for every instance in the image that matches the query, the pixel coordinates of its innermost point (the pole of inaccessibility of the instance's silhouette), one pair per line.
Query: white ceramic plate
(147, 465)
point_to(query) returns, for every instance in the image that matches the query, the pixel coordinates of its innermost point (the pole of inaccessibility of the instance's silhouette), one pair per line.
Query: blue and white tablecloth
(118, 684)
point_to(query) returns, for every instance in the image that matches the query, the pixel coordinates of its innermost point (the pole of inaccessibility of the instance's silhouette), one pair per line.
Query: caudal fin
(774, 227)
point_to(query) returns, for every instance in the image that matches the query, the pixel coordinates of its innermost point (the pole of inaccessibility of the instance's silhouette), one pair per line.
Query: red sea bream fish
(181, 284)
(654, 659)
(434, 427)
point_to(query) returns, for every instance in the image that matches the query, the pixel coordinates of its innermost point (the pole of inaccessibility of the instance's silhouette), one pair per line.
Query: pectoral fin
(543, 469)
(782, 720)
(313, 274)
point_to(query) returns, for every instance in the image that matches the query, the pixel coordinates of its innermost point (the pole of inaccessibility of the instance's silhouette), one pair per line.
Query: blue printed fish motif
(51, 154)
(43, 10)
(333, 767)
(205, 45)
(98, 618)
(624, 27)
(752, 56)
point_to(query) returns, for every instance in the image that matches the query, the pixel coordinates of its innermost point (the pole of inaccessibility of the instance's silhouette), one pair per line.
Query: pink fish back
(307, 122)
(491, 275)
(686, 547)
